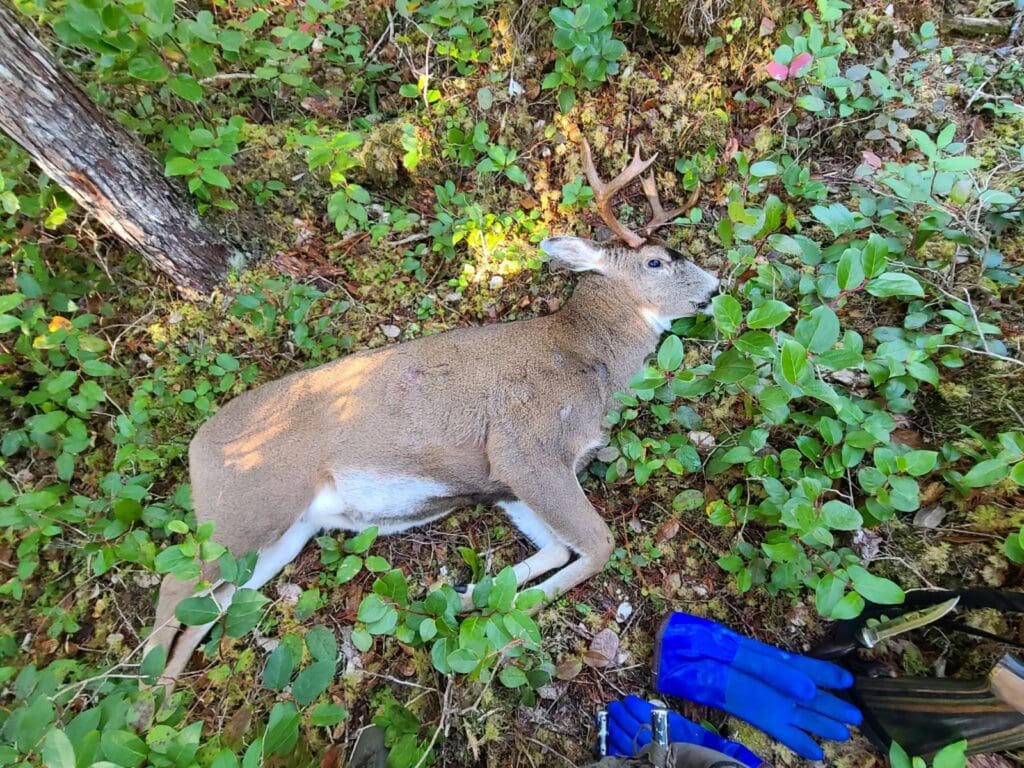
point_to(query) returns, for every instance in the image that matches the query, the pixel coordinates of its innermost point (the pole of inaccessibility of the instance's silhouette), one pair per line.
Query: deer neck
(605, 323)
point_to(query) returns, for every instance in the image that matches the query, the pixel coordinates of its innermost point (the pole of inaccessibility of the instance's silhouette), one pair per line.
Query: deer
(396, 437)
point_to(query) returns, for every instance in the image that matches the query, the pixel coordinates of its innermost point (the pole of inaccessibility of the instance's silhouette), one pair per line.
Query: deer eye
(654, 263)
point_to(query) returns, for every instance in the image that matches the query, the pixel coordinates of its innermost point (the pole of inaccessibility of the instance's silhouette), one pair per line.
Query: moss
(681, 21)
(987, 394)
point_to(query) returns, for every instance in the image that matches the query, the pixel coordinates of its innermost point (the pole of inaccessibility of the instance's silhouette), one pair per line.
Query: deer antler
(604, 192)
(659, 216)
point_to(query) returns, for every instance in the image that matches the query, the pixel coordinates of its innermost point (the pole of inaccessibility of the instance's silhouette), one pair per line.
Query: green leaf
(512, 677)
(850, 271)
(731, 366)
(925, 144)
(328, 714)
(371, 609)
(123, 748)
(987, 472)
(836, 217)
(811, 103)
(187, 88)
(764, 169)
(793, 360)
(245, 612)
(322, 644)
(769, 314)
(153, 664)
(1017, 475)
(196, 611)
(728, 313)
(280, 665)
(362, 542)
(670, 353)
(951, 756)
(282, 729)
(849, 607)
(819, 331)
(898, 757)
(215, 177)
(503, 594)
(148, 66)
(463, 661)
(874, 588)
(840, 516)
(180, 166)
(313, 681)
(894, 284)
(57, 750)
(919, 463)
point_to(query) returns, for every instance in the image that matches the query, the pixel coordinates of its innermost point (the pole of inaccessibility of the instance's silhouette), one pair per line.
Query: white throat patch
(658, 323)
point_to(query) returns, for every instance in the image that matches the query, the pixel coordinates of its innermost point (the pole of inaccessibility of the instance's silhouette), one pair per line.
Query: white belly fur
(358, 500)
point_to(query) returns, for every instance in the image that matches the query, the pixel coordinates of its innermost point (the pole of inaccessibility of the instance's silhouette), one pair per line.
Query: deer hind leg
(181, 642)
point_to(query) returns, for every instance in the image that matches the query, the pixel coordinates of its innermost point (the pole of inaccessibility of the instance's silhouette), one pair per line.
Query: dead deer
(399, 436)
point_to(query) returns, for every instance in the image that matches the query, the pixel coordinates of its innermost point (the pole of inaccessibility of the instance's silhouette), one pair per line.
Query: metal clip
(659, 726)
(602, 733)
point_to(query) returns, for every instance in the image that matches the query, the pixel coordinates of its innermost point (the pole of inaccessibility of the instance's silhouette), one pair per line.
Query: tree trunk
(100, 164)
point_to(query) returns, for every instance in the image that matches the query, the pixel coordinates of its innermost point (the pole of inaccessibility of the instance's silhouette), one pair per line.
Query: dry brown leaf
(568, 668)
(603, 651)
(667, 531)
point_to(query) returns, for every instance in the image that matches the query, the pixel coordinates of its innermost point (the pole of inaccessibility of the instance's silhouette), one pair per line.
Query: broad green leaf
(278, 671)
(898, 757)
(819, 331)
(57, 750)
(874, 588)
(123, 748)
(919, 463)
(312, 681)
(951, 756)
(793, 360)
(512, 677)
(728, 313)
(362, 542)
(764, 169)
(840, 516)
(503, 594)
(811, 103)
(770, 314)
(894, 284)
(196, 611)
(328, 714)
(245, 612)
(988, 472)
(731, 366)
(322, 644)
(670, 353)
(282, 729)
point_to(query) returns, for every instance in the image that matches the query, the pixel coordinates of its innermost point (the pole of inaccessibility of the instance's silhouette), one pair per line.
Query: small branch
(226, 77)
(986, 353)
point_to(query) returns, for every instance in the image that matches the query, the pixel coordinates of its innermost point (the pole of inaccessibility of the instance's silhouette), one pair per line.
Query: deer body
(396, 437)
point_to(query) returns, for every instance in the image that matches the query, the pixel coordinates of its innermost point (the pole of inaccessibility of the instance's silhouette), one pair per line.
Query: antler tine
(659, 216)
(605, 191)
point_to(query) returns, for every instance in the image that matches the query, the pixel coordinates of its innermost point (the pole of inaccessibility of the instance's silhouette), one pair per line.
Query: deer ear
(574, 253)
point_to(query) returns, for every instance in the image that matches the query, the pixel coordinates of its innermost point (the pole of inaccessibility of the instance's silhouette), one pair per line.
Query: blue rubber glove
(629, 730)
(778, 692)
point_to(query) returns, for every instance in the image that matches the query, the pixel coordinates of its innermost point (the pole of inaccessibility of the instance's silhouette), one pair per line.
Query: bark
(100, 164)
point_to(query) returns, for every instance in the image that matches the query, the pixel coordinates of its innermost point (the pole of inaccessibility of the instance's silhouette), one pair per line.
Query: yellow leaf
(58, 323)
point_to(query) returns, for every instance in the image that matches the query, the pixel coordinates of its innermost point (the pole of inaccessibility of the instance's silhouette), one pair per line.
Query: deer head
(665, 284)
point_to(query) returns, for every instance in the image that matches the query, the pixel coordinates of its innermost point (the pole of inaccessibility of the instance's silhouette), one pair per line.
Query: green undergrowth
(856, 183)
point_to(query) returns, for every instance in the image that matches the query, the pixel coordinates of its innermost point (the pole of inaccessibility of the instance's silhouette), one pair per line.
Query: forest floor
(368, 248)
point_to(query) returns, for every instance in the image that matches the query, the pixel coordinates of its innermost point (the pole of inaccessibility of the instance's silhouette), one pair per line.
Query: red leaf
(777, 71)
(798, 66)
